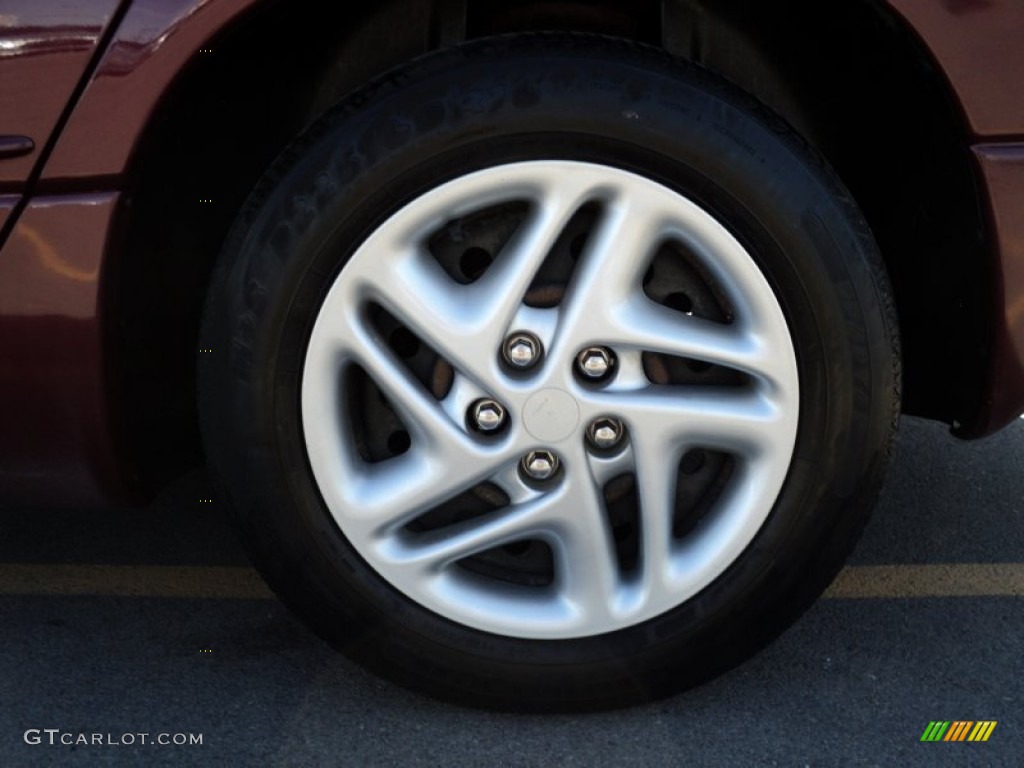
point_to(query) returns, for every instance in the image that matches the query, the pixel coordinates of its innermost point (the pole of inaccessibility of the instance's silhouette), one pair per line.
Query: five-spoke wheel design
(550, 399)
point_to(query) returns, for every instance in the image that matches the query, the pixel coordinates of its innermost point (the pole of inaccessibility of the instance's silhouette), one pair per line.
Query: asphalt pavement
(130, 622)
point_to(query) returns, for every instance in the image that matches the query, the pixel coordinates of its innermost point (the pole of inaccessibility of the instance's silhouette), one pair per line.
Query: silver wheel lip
(346, 486)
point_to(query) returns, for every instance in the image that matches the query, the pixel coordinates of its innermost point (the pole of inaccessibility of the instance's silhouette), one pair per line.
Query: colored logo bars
(958, 730)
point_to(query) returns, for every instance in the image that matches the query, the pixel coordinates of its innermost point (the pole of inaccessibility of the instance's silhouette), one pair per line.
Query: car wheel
(549, 373)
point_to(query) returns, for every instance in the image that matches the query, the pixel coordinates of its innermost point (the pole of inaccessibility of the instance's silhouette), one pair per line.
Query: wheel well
(860, 87)
(849, 77)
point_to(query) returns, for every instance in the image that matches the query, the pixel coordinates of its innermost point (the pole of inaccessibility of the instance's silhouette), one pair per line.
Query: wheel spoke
(466, 324)
(655, 473)
(586, 570)
(429, 553)
(443, 459)
(501, 290)
(644, 325)
(423, 415)
(603, 469)
(450, 318)
(568, 518)
(738, 420)
(610, 269)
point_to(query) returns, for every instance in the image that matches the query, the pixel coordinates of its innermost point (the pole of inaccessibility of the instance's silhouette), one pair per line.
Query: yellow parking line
(189, 581)
(948, 580)
(241, 583)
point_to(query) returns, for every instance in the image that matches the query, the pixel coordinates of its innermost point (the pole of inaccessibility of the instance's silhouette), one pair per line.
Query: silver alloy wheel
(604, 304)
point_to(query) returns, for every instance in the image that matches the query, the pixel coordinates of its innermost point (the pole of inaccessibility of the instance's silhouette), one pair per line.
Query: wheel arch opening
(850, 77)
(858, 84)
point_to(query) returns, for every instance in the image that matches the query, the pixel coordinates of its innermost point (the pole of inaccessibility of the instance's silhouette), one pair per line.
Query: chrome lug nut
(487, 415)
(540, 465)
(595, 362)
(522, 350)
(605, 432)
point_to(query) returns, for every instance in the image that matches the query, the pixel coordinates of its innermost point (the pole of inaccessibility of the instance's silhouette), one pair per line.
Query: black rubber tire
(576, 98)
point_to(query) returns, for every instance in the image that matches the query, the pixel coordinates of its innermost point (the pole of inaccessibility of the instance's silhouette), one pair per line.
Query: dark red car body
(104, 247)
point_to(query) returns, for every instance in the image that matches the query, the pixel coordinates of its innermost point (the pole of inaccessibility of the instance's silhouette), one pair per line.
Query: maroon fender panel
(46, 47)
(7, 203)
(979, 44)
(57, 445)
(1002, 175)
(154, 42)
(976, 43)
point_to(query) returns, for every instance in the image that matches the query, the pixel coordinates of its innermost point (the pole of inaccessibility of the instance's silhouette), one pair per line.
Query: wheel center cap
(551, 415)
